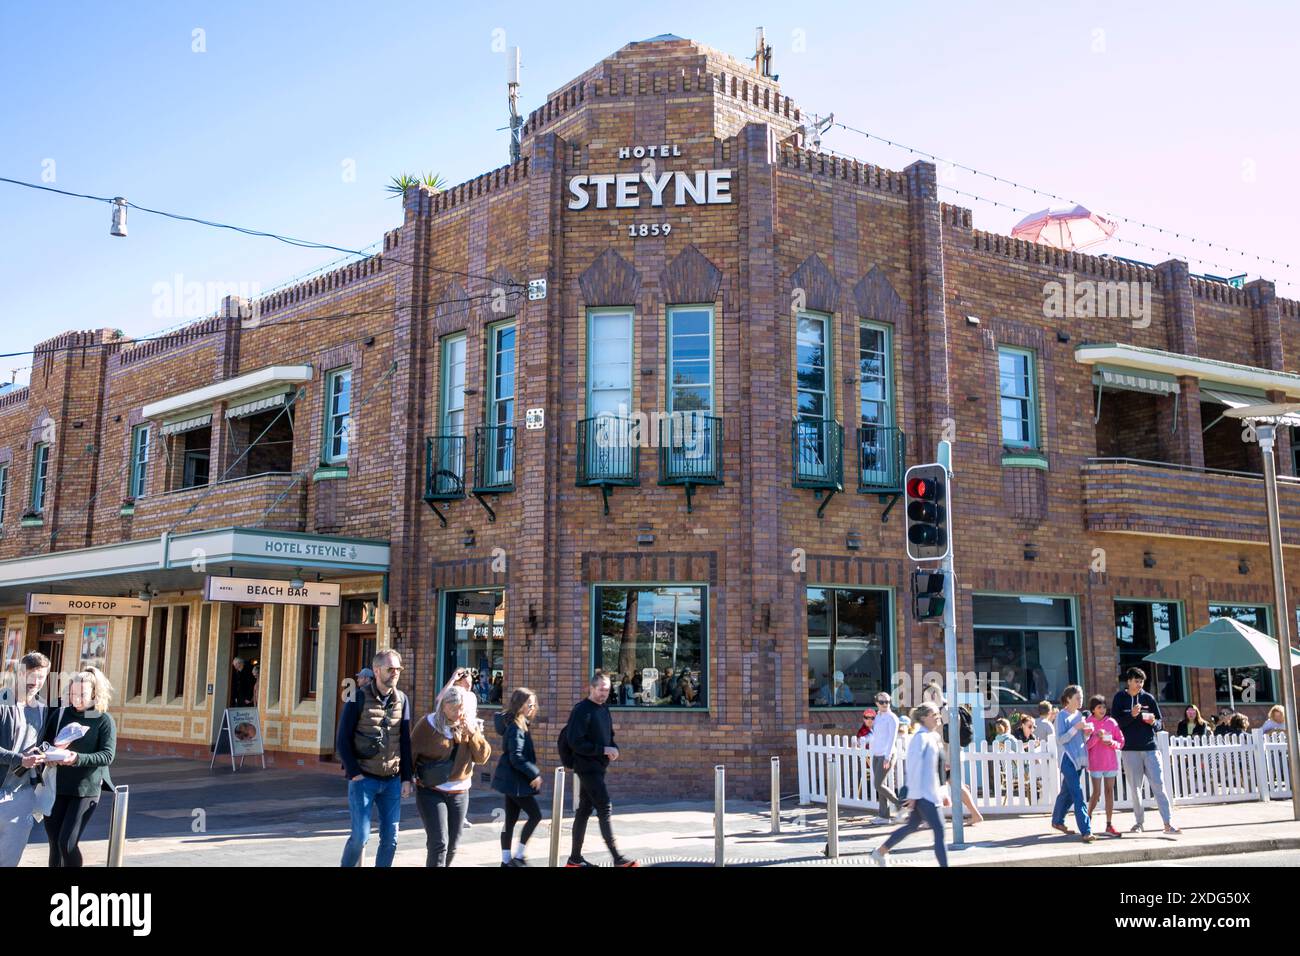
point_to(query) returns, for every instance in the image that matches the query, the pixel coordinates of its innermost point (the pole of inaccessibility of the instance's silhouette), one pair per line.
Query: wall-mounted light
(368, 341)
(1062, 336)
(645, 537)
(1148, 560)
(469, 538)
(1031, 552)
(1243, 566)
(296, 581)
(972, 320)
(853, 542)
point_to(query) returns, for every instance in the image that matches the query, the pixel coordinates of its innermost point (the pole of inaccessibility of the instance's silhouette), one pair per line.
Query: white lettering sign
(702, 187)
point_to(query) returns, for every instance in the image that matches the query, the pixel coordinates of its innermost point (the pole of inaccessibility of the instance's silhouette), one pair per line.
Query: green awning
(1135, 380)
(188, 424)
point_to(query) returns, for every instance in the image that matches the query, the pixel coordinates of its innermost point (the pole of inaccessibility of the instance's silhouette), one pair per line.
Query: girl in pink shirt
(1103, 757)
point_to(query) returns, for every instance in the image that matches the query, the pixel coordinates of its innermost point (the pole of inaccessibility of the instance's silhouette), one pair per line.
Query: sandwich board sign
(239, 735)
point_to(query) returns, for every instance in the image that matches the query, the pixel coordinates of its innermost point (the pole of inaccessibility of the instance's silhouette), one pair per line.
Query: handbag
(44, 787)
(433, 773)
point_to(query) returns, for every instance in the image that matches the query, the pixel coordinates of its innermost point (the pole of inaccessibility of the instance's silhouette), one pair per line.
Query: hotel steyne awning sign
(267, 591)
(86, 604)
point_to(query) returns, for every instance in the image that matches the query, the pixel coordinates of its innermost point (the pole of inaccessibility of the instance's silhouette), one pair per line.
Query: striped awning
(1135, 380)
(180, 425)
(258, 403)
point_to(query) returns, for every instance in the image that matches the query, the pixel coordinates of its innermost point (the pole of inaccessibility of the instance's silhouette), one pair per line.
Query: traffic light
(927, 513)
(927, 595)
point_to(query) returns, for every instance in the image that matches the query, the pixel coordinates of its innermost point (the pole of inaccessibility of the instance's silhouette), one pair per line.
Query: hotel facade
(643, 400)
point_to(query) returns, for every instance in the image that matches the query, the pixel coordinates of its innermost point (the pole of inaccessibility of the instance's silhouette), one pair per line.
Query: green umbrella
(1224, 643)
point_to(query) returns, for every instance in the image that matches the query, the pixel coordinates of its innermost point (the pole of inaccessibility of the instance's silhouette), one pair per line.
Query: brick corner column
(1180, 308)
(928, 305)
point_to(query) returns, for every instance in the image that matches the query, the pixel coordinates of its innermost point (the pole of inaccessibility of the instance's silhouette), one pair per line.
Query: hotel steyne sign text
(702, 187)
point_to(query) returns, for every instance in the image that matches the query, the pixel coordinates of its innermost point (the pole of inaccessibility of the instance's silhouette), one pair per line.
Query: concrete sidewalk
(296, 818)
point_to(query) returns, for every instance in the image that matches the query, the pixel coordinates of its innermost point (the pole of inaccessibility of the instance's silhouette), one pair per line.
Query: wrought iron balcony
(494, 459)
(817, 448)
(445, 468)
(882, 459)
(608, 451)
(690, 449)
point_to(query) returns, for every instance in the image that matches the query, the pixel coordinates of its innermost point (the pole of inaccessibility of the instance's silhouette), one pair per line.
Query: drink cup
(1149, 717)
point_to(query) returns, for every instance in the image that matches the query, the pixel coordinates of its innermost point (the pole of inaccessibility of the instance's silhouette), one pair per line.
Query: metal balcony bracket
(893, 500)
(441, 516)
(825, 501)
(605, 491)
(492, 515)
(690, 494)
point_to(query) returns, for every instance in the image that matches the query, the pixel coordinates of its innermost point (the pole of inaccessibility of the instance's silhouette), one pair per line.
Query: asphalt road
(1271, 858)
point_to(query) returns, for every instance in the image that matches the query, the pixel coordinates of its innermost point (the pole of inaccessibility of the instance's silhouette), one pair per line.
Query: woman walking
(1103, 758)
(83, 765)
(518, 778)
(924, 791)
(1072, 732)
(446, 746)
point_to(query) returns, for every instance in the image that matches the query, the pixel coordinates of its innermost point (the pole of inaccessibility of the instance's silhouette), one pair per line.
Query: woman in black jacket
(83, 773)
(1193, 725)
(517, 777)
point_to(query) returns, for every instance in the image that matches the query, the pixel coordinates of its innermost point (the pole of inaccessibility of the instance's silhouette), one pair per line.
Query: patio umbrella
(1065, 227)
(1224, 643)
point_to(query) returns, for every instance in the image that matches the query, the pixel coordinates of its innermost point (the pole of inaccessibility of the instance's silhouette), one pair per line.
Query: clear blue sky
(1178, 114)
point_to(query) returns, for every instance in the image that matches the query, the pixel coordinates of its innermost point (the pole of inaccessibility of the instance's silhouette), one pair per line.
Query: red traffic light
(924, 488)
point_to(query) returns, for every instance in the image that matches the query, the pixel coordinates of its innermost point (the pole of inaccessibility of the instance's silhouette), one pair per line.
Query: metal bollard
(557, 815)
(117, 825)
(719, 815)
(833, 810)
(776, 795)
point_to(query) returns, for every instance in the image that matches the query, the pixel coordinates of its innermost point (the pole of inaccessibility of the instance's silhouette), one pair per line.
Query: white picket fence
(1197, 770)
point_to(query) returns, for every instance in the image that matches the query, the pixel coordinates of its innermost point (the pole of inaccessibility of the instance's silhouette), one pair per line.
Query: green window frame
(40, 475)
(1260, 617)
(690, 379)
(1018, 397)
(663, 630)
(1017, 638)
(808, 370)
(832, 629)
(338, 416)
(503, 352)
(607, 375)
(4, 489)
(875, 375)
(140, 444)
(451, 389)
(1161, 678)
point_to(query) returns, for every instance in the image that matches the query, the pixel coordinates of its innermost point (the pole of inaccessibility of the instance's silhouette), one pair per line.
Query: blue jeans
(1071, 793)
(387, 796)
(923, 811)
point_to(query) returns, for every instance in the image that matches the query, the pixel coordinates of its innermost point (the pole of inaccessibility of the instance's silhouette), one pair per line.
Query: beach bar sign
(266, 591)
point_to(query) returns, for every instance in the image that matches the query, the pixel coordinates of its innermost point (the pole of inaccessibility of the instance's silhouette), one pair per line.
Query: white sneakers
(878, 858)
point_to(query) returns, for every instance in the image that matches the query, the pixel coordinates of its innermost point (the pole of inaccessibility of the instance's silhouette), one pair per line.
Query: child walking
(1103, 758)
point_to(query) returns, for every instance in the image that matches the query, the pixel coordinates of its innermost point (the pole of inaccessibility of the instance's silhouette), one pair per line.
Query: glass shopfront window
(1247, 682)
(1028, 644)
(1142, 628)
(474, 636)
(850, 653)
(653, 642)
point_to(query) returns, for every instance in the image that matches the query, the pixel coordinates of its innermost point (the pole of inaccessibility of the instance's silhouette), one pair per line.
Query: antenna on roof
(512, 84)
(810, 133)
(762, 55)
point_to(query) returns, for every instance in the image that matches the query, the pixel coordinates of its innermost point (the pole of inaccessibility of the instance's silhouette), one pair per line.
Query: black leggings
(64, 826)
(514, 806)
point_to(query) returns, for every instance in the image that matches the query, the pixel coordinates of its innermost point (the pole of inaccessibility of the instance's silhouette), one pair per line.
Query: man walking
(22, 715)
(1138, 716)
(374, 746)
(882, 756)
(590, 735)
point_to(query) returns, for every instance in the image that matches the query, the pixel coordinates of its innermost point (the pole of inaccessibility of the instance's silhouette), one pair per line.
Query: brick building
(682, 458)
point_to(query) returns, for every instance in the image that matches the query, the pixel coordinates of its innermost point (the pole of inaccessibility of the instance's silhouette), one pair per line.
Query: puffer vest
(379, 727)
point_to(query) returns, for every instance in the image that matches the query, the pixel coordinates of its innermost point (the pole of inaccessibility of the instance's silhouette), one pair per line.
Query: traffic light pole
(950, 662)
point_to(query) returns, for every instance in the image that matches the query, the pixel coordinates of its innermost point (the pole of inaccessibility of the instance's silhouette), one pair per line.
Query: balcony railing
(494, 459)
(1145, 497)
(445, 468)
(690, 449)
(817, 447)
(608, 452)
(882, 459)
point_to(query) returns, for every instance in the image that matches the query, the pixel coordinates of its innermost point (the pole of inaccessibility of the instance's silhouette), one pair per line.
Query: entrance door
(245, 646)
(49, 641)
(357, 630)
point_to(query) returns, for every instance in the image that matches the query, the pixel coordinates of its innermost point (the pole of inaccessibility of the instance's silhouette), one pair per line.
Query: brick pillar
(1270, 354)
(1100, 664)
(1180, 308)
(928, 312)
(1200, 680)
(1180, 424)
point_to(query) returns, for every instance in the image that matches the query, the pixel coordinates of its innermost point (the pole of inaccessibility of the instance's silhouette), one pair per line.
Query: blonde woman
(446, 746)
(924, 785)
(83, 764)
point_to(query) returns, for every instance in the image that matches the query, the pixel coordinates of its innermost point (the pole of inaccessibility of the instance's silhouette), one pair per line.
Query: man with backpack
(587, 746)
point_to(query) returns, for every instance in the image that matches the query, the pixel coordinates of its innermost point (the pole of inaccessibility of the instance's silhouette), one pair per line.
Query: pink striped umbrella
(1065, 227)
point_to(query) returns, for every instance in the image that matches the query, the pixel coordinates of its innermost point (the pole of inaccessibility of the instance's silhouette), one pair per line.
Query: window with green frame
(139, 461)
(1256, 682)
(338, 416)
(1142, 628)
(499, 436)
(652, 640)
(850, 645)
(4, 489)
(1017, 388)
(690, 359)
(40, 475)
